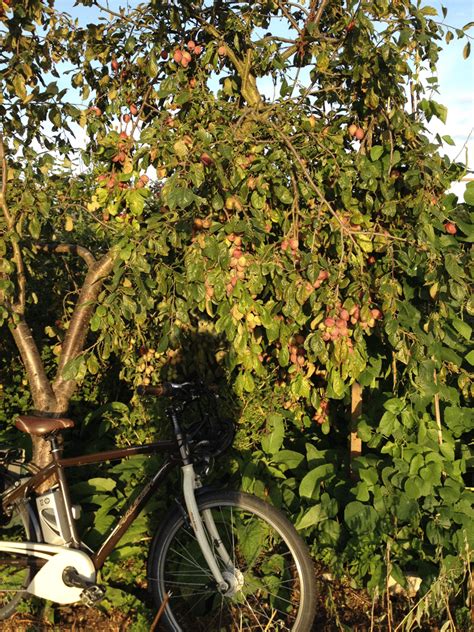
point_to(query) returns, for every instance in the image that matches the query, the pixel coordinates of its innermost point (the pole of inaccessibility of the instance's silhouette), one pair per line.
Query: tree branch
(320, 11)
(41, 391)
(78, 327)
(250, 91)
(72, 249)
(17, 257)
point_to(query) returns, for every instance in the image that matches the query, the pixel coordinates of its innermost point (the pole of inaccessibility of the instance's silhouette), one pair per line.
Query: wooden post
(356, 411)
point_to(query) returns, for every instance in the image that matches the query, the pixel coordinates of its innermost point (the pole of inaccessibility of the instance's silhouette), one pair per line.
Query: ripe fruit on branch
(178, 56)
(95, 110)
(206, 159)
(222, 51)
(120, 157)
(164, 54)
(191, 45)
(126, 118)
(352, 129)
(197, 50)
(233, 203)
(294, 243)
(359, 133)
(322, 276)
(450, 228)
(115, 65)
(133, 109)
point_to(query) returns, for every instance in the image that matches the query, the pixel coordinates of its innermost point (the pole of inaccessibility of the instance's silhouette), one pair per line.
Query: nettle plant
(258, 186)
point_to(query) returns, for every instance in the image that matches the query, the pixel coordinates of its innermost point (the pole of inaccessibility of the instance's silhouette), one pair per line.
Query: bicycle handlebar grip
(160, 390)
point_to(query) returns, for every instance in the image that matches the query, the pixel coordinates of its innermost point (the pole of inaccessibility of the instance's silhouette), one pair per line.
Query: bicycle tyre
(13, 580)
(277, 592)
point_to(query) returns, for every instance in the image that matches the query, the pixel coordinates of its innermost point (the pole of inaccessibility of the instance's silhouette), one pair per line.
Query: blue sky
(456, 77)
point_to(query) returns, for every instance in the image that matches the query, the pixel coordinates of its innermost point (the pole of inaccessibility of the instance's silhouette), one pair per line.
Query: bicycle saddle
(40, 426)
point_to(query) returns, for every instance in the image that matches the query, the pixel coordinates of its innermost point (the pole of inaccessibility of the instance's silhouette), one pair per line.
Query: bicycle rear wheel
(271, 581)
(16, 572)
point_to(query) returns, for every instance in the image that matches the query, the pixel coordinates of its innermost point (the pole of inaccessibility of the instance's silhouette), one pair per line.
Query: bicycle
(220, 560)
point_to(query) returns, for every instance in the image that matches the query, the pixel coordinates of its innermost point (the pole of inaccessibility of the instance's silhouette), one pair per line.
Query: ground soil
(342, 608)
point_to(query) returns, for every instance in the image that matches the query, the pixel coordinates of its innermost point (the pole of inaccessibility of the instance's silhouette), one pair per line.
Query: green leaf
(130, 44)
(311, 518)
(71, 368)
(376, 152)
(136, 200)
(290, 458)
(284, 195)
(314, 478)
(448, 140)
(178, 197)
(34, 227)
(272, 442)
(19, 85)
(470, 357)
(360, 518)
(463, 328)
(469, 194)
(94, 485)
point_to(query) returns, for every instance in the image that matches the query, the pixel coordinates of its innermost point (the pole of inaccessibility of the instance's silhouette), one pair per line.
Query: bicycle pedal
(92, 595)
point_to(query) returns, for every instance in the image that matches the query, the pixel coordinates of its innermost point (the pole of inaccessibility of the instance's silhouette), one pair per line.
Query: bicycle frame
(59, 464)
(71, 555)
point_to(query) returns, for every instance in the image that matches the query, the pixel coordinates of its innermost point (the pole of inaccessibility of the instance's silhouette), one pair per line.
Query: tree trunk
(52, 398)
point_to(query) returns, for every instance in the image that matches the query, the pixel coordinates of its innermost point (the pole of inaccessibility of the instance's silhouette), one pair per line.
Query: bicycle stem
(189, 485)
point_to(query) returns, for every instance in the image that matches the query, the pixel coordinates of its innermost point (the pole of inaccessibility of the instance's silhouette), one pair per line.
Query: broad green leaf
(290, 458)
(284, 195)
(273, 441)
(314, 478)
(463, 328)
(469, 194)
(311, 518)
(360, 518)
(376, 152)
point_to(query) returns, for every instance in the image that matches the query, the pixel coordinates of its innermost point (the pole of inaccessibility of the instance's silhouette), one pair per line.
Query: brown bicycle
(220, 560)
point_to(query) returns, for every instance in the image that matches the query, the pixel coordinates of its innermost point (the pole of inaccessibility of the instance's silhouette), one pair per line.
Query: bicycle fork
(226, 585)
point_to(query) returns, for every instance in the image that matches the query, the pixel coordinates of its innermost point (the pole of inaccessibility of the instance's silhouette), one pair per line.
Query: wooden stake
(356, 411)
(160, 612)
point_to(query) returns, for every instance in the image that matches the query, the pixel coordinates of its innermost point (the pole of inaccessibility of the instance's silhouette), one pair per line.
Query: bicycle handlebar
(160, 390)
(172, 389)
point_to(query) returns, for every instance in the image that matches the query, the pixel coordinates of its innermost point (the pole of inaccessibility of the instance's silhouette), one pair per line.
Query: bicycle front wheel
(270, 574)
(16, 572)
